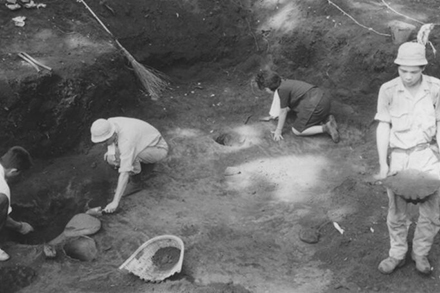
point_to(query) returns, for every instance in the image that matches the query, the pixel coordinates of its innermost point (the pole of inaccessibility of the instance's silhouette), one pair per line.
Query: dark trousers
(4, 206)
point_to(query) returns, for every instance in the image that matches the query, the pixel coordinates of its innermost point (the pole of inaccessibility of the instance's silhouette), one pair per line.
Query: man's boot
(388, 265)
(134, 185)
(147, 171)
(422, 264)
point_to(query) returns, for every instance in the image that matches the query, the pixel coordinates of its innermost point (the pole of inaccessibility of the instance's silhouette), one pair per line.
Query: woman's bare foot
(267, 118)
(332, 128)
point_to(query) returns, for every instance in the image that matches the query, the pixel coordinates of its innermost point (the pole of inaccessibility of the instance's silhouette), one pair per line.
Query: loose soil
(166, 258)
(242, 227)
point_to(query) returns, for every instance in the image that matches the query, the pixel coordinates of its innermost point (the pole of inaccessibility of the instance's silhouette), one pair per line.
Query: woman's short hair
(268, 79)
(16, 157)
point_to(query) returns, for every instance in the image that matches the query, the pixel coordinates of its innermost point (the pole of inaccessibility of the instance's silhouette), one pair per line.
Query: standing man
(16, 160)
(129, 142)
(311, 105)
(408, 112)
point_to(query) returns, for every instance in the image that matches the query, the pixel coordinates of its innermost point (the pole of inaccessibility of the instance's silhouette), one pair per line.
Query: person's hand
(25, 228)
(111, 207)
(111, 160)
(277, 135)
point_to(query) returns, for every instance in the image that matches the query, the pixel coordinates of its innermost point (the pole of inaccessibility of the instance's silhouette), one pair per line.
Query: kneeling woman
(311, 105)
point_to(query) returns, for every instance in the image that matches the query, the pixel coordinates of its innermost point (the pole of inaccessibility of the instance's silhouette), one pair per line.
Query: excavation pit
(229, 139)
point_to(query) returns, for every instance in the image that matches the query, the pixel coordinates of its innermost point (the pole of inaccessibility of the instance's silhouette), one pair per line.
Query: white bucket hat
(411, 54)
(102, 130)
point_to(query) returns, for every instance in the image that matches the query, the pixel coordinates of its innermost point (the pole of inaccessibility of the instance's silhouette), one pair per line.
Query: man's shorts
(151, 155)
(313, 109)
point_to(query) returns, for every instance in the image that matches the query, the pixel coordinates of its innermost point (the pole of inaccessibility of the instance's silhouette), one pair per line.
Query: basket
(412, 185)
(143, 262)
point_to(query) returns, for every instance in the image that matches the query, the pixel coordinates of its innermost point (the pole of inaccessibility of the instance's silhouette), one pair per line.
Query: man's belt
(416, 148)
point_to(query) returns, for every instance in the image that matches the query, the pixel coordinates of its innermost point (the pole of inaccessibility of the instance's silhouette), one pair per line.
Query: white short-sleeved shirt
(413, 119)
(134, 136)
(4, 187)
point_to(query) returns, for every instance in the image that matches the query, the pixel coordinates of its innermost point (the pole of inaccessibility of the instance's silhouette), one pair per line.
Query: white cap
(411, 54)
(101, 130)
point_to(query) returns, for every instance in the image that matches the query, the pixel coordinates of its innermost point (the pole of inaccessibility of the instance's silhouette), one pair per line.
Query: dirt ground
(240, 229)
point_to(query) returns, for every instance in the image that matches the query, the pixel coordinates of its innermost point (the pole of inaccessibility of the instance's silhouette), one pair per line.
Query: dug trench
(237, 199)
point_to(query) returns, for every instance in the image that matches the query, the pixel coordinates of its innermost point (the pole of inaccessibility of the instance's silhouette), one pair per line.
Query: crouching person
(310, 103)
(129, 142)
(16, 160)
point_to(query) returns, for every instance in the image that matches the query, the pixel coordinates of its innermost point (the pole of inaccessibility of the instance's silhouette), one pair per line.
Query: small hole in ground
(47, 224)
(223, 139)
(228, 139)
(50, 211)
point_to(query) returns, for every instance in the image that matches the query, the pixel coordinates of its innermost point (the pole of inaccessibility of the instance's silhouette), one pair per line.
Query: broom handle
(97, 18)
(107, 30)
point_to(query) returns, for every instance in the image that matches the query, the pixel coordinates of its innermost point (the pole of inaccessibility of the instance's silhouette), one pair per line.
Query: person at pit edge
(12, 163)
(129, 142)
(311, 105)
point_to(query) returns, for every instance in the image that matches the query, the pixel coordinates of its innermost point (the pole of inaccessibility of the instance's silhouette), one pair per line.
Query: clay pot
(82, 248)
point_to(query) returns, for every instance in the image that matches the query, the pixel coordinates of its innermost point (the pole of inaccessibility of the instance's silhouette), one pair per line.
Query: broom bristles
(151, 80)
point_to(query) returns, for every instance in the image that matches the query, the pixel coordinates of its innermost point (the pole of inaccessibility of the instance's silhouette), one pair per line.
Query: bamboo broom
(150, 79)
(423, 35)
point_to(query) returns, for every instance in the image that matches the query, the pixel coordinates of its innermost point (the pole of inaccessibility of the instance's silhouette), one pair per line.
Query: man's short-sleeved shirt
(413, 119)
(291, 92)
(134, 136)
(4, 187)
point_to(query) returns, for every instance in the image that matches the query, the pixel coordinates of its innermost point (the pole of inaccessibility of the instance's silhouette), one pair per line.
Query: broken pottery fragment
(80, 224)
(309, 235)
(82, 248)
